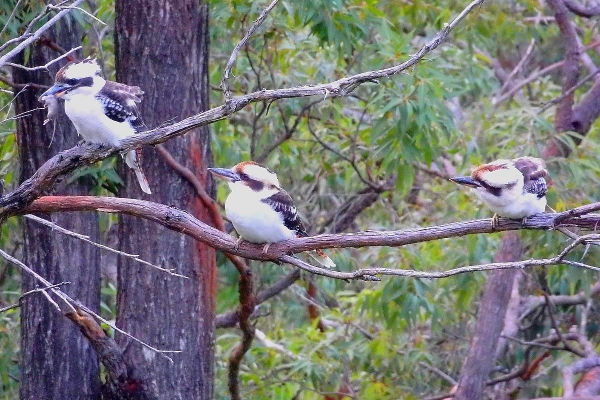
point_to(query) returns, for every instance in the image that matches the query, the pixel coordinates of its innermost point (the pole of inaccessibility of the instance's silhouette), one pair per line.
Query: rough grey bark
(162, 46)
(56, 360)
(490, 321)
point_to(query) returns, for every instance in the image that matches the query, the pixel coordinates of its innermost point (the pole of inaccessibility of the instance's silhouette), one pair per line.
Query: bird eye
(72, 81)
(244, 176)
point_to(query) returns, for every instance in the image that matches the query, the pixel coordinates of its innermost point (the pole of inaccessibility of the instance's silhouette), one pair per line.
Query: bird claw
(495, 221)
(266, 248)
(236, 246)
(524, 221)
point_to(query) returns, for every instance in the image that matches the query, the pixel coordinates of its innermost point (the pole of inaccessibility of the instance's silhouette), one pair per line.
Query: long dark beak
(225, 173)
(56, 90)
(465, 180)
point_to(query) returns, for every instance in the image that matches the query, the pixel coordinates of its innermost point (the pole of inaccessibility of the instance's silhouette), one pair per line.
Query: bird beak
(57, 90)
(225, 173)
(466, 180)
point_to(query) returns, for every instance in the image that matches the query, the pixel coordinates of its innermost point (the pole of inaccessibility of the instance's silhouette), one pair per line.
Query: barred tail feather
(132, 161)
(322, 258)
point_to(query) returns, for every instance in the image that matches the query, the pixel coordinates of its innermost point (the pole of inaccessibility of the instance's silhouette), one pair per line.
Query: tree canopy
(374, 157)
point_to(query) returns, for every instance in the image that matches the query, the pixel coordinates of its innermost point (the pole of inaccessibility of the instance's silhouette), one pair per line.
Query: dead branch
(48, 64)
(38, 290)
(581, 10)
(261, 18)
(74, 305)
(30, 38)
(86, 239)
(183, 222)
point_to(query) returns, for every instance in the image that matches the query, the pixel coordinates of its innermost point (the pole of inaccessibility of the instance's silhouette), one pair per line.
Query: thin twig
(550, 308)
(371, 274)
(21, 297)
(51, 7)
(438, 372)
(10, 17)
(568, 92)
(519, 66)
(86, 239)
(71, 303)
(261, 18)
(49, 63)
(40, 279)
(17, 49)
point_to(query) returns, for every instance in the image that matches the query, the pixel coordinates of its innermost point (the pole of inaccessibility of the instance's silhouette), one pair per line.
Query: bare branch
(21, 297)
(45, 66)
(181, 221)
(509, 79)
(40, 279)
(569, 92)
(86, 239)
(515, 88)
(438, 372)
(4, 59)
(75, 305)
(261, 18)
(53, 7)
(581, 10)
(550, 309)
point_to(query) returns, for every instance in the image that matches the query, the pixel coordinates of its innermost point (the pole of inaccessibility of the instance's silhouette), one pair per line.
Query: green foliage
(382, 131)
(447, 110)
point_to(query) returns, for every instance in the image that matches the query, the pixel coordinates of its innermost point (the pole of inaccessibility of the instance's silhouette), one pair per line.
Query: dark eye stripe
(88, 81)
(492, 189)
(254, 185)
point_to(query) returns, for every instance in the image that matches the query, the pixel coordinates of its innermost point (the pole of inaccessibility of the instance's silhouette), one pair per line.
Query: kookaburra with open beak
(260, 210)
(102, 111)
(510, 188)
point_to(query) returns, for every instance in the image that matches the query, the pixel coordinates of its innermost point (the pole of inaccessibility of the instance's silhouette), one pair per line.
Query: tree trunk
(490, 321)
(162, 46)
(56, 360)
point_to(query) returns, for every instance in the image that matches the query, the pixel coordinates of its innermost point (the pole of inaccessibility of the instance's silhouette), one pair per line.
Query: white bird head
(510, 187)
(77, 77)
(249, 176)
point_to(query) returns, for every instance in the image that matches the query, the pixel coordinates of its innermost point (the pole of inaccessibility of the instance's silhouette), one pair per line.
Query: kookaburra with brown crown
(102, 111)
(510, 188)
(259, 209)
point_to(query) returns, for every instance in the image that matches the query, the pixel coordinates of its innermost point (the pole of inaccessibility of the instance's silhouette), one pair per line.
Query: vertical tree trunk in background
(56, 360)
(490, 321)
(162, 46)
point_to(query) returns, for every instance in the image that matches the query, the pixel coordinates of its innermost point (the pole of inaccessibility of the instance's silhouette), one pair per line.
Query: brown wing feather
(534, 174)
(282, 203)
(120, 103)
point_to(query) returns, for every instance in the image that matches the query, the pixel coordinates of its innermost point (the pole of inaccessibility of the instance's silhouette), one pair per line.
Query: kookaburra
(259, 209)
(102, 111)
(510, 188)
